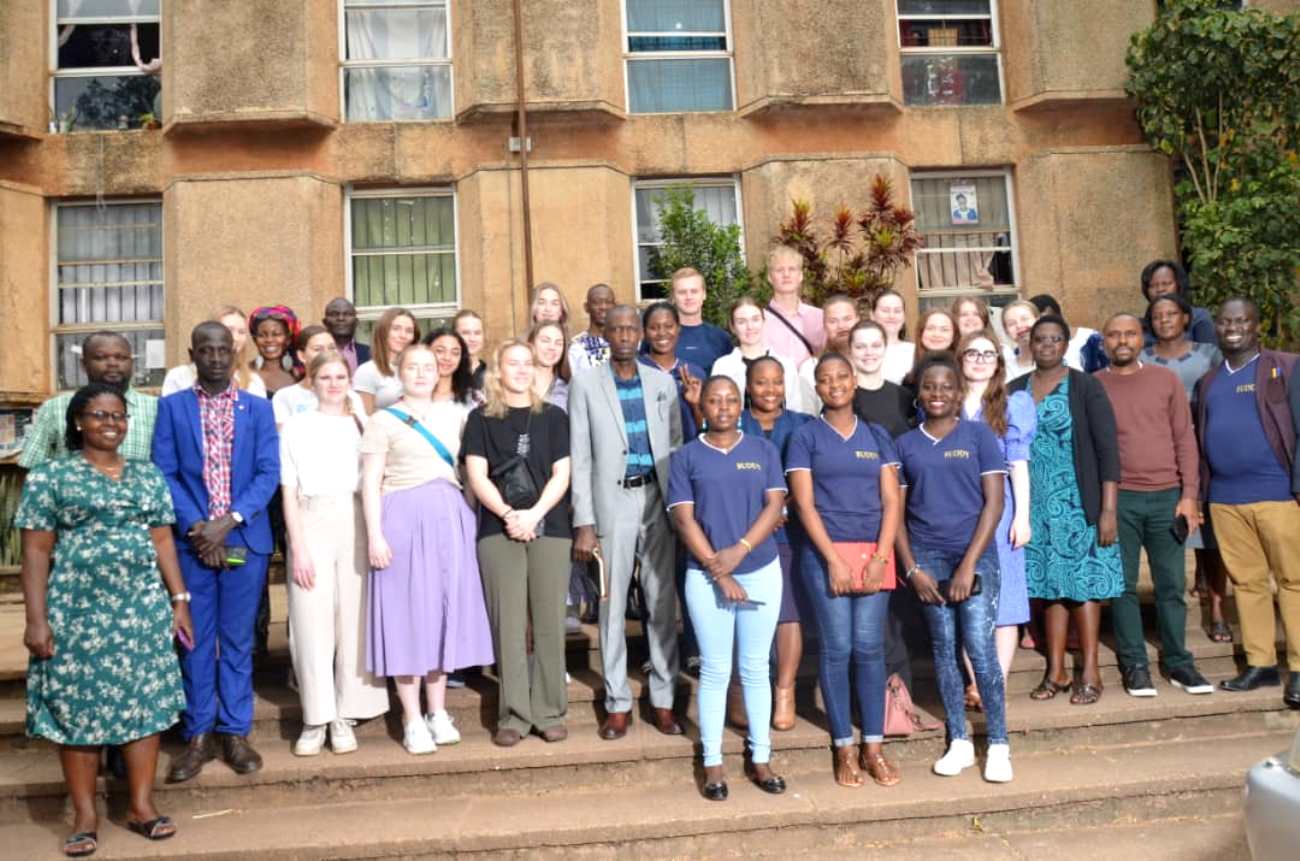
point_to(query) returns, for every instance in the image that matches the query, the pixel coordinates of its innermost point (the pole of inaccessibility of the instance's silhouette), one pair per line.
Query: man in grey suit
(624, 423)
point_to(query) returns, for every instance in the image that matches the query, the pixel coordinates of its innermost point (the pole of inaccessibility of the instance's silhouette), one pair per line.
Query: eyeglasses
(980, 356)
(105, 415)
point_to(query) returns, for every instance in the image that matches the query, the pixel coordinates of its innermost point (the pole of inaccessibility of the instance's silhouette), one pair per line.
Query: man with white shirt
(791, 327)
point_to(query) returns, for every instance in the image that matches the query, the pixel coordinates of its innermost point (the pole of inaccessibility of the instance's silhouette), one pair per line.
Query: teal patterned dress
(1062, 560)
(114, 676)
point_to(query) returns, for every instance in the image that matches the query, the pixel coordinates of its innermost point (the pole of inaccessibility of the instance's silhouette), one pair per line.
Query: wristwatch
(237, 517)
(181, 596)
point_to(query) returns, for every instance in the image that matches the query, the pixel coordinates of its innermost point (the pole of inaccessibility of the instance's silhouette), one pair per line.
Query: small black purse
(513, 478)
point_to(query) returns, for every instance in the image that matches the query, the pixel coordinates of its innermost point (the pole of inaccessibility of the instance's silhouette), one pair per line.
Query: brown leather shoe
(555, 733)
(239, 754)
(201, 748)
(615, 725)
(667, 723)
(783, 709)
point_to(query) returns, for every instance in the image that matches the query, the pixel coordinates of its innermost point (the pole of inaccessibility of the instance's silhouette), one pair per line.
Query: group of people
(813, 468)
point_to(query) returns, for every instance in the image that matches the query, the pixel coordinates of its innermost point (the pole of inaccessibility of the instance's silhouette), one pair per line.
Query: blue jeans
(719, 624)
(976, 618)
(851, 627)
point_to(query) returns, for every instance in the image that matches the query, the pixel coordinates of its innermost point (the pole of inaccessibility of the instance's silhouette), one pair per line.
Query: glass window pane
(677, 43)
(398, 93)
(945, 34)
(670, 16)
(951, 79)
(397, 34)
(107, 8)
(105, 101)
(944, 7)
(670, 86)
(91, 46)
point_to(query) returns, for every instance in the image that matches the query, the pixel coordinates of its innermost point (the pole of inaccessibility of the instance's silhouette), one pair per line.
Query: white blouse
(899, 358)
(386, 390)
(320, 455)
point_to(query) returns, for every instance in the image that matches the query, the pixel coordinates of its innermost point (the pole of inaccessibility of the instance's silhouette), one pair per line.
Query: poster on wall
(963, 202)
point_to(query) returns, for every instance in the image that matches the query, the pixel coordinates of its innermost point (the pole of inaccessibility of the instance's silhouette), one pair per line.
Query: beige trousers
(1257, 540)
(327, 623)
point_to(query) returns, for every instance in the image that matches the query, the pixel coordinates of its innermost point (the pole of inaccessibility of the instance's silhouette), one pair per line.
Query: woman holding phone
(953, 475)
(842, 477)
(725, 494)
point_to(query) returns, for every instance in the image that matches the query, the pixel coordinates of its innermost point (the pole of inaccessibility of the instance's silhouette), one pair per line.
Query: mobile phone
(184, 639)
(1180, 529)
(236, 556)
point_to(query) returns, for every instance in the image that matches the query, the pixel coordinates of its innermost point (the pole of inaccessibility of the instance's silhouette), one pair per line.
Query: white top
(183, 377)
(320, 455)
(899, 358)
(1074, 349)
(1010, 359)
(295, 400)
(409, 459)
(386, 390)
(733, 365)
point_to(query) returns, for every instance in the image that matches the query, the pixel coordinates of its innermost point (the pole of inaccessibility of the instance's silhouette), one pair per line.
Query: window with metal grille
(678, 56)
(402, 251)
(950, 52)
(106, 63)
(719, 198)
(968, 222)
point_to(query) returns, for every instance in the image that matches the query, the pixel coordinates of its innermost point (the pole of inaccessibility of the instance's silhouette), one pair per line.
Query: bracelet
(876, 557)
(181, 596)
(907, 575)
(749, 548)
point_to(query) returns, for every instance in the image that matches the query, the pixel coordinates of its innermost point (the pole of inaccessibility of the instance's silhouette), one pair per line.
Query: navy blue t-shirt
(780, 435)
(703, 345)
(1243, 466)
(845, 475)
(944, 480)
(729, 490)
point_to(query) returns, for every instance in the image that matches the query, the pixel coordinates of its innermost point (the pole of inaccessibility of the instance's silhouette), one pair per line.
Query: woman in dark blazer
(1072, 562)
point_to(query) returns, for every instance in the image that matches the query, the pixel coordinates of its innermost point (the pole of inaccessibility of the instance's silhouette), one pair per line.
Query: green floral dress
(114, 676)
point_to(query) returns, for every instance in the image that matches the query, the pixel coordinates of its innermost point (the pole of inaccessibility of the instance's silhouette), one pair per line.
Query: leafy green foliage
(691, 239)
(1218, 91)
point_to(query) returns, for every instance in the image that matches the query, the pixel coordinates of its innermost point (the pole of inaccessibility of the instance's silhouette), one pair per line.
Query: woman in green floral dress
(103, 670)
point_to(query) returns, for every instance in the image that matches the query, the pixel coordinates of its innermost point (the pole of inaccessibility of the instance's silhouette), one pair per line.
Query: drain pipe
(521, 129)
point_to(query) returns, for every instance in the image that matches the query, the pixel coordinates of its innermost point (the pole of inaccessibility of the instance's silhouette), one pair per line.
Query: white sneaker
(416, 738)
(997, 768)
(444, 731)
(342, 739)
(310, 742)
(960, 756)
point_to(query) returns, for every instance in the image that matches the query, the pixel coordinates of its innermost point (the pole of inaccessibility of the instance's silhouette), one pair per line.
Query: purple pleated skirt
(426, 609)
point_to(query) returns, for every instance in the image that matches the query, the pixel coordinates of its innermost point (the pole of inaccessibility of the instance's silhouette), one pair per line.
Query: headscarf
(285, 315)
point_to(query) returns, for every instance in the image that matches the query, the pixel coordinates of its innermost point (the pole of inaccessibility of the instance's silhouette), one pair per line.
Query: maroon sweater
(1157, 442)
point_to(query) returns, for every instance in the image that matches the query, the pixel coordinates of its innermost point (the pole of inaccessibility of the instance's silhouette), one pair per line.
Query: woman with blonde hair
(517, 464)
(469, 325)
(548, 305)
(1017, 321)
(301, 398)
(550, 343)
(971, 315)
(747, 324)
(320, 469)
(183, 377)
(890, 313)
(377, 381)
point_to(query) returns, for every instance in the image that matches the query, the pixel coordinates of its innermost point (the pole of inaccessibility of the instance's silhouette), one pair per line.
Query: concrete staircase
(1127, 778)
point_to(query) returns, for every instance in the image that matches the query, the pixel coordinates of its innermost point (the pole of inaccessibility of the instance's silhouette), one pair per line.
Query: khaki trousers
(1254, 540)
(327, 623)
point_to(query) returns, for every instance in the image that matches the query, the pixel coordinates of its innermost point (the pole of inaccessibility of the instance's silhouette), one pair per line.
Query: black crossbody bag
(513, 478)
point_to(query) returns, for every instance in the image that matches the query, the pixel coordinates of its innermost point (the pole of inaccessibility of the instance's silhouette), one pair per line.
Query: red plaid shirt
(217, 416)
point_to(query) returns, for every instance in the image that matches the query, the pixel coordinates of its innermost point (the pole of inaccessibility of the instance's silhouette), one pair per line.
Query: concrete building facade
(161, 157)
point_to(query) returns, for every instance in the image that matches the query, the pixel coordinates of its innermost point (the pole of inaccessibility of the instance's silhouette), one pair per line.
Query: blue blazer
(255, 465)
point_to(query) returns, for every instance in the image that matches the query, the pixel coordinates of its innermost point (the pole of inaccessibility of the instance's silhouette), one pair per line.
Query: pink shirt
(778, 337)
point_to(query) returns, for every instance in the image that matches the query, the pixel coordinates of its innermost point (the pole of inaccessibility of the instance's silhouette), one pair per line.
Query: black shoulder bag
(513, 478)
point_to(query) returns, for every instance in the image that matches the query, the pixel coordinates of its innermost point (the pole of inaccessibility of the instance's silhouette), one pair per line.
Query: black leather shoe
(772, 784)
(202, 748)
(239, 754)
(715, 791)
(1291, 696)
(1251, 678)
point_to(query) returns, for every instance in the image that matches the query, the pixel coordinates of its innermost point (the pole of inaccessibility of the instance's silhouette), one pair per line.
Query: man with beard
(341, 321)
(1158, 505)
(106, 358)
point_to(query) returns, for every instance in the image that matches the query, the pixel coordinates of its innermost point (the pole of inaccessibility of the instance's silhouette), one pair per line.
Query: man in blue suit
(219, 451)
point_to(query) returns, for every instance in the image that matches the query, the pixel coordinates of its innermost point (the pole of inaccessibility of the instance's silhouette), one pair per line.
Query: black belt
(639, 480)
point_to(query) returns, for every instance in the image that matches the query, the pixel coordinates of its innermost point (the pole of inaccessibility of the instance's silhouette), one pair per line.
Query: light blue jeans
(719, 624)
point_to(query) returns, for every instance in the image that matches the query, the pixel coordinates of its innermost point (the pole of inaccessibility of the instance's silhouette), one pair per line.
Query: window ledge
(250, 120)
(870, 102)
(596, 108)
(15, 130)
(1054, 99)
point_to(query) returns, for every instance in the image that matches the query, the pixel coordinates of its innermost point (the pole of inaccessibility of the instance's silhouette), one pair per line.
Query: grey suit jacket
(598, 439)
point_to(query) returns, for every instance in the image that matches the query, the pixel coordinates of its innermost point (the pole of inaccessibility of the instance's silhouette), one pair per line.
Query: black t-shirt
(498, 440)
(889, 406)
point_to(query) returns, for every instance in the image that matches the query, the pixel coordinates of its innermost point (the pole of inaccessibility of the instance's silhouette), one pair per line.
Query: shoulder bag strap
(806, 343)
(419, 427)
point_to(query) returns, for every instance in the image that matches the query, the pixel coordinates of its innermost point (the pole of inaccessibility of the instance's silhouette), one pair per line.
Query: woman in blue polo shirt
(767, 417)
(725, 494)
(953, 474)
(842, 474)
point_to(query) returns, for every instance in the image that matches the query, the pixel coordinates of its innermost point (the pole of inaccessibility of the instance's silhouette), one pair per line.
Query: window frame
(630, 56)
(56, 329)
(693, 182)
(345, 63)
(57, 73)
(1014, 229)
(995, 27)
(421, 310)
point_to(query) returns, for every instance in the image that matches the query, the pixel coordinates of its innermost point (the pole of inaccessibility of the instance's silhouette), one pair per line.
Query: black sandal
(1047, 689)
(1085, 695)
(1219, 632)
(151, 830)
(81, 845)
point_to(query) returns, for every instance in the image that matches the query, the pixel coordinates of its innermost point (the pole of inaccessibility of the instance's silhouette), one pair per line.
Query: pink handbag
(901, 715)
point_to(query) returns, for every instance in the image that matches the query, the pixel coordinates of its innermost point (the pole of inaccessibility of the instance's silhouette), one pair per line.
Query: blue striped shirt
(632, 399)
